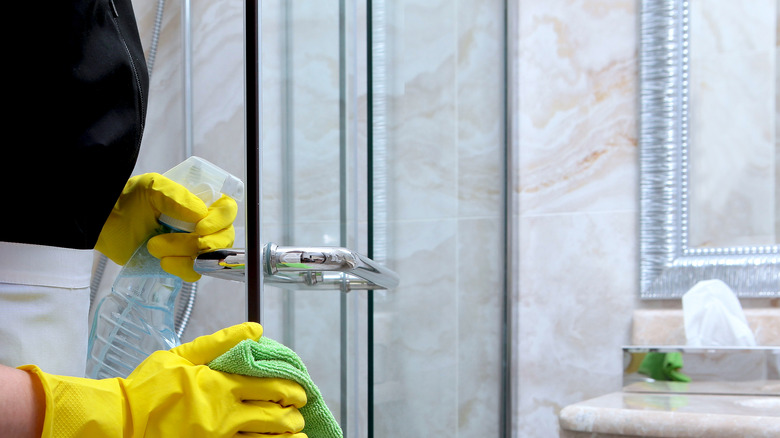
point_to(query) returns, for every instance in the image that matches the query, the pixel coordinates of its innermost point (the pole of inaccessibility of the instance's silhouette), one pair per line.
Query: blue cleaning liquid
(135, 319)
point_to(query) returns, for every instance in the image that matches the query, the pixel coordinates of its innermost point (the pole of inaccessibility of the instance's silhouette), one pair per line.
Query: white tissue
(713, 317)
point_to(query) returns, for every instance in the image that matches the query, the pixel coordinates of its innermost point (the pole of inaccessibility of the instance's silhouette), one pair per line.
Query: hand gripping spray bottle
(137, 317)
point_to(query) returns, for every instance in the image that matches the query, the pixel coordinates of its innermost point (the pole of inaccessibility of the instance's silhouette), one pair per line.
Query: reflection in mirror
(733, 147)
(708, 150)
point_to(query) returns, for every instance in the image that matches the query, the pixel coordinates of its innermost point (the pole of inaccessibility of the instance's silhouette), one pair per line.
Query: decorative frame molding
(668, 266)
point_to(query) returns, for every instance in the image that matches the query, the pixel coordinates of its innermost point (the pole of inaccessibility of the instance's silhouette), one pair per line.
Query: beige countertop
(622, 414)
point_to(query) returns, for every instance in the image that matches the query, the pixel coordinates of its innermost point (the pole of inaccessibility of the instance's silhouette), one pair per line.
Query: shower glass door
(313, 188)
(383, 132)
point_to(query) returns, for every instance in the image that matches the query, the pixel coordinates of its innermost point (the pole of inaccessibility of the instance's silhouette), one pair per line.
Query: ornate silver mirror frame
(668, 266)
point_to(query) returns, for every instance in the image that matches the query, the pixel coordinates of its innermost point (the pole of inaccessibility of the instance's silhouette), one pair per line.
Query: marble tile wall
(576, 189)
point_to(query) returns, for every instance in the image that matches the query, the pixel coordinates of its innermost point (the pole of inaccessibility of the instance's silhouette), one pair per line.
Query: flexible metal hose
(155, 36)
(184, 307)
(97, 276)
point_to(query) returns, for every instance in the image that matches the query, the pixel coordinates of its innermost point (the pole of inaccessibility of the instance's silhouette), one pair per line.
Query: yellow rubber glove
(177, 251)
(134, 218)
(173, 393)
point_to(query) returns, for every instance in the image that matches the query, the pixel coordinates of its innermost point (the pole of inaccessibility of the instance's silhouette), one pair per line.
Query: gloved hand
(134, 218)
(173, 393)
(177, 251)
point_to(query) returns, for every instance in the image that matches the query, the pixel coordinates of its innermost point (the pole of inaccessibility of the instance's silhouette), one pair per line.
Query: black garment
(78, 87)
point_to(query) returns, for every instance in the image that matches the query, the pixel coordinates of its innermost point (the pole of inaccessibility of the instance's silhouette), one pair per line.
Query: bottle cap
(206, 181)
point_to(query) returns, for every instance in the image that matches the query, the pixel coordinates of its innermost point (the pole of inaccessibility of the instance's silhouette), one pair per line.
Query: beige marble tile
(480, 101)
(417, 362)
(480, 160)
(480, 324)
(666, 326)
(423, 108)
(576, 283)
(577, 106)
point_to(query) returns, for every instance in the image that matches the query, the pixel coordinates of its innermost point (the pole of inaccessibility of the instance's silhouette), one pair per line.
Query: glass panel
(383, 132)
(438, 154)
(309, 186)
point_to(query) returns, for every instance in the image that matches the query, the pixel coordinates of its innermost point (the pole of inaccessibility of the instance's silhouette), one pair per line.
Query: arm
(22, 403)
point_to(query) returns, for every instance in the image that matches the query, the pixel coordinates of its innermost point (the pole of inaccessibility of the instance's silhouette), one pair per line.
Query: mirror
(699, 137)
(732, 87)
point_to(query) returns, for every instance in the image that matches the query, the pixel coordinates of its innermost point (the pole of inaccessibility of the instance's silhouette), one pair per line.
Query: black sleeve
(78, 95)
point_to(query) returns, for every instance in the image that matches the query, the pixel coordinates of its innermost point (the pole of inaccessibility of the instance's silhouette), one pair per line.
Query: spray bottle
(137, 317)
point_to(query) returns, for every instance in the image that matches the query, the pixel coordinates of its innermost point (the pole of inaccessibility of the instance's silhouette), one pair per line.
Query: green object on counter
(664, 366)
(268, 358)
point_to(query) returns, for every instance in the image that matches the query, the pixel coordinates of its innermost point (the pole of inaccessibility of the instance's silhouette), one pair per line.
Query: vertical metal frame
(509, 378)
(253, 159)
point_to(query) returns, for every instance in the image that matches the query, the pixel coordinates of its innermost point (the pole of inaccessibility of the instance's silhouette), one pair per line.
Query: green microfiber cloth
(664, 366)
(268, 358)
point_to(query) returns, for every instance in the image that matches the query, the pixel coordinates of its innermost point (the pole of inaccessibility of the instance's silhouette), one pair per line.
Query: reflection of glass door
(382, 133)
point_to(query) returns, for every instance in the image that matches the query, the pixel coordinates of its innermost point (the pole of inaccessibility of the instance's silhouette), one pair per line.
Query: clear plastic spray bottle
(137, 317)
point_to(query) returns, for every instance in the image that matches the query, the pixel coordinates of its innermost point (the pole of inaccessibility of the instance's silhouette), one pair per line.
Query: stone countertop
(673, 415)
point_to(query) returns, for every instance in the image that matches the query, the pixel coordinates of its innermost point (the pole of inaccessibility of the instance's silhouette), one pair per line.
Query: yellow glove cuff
(78, 407)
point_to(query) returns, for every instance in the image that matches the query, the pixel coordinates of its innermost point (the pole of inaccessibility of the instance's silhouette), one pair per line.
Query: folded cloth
(268, 358)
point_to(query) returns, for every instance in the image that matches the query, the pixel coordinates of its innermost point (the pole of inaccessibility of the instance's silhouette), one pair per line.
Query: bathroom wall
(577, 203)
(575, 190)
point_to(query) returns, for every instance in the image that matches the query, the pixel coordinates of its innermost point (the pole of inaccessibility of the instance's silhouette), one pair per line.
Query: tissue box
(712, 370)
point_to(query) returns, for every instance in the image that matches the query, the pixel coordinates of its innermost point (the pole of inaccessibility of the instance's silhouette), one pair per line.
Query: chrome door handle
(302, 268)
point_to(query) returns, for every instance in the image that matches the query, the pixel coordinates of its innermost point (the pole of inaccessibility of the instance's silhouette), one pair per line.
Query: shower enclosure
(381, 130)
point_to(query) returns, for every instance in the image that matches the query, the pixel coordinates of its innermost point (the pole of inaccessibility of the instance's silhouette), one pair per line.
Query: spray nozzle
(207, 181)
